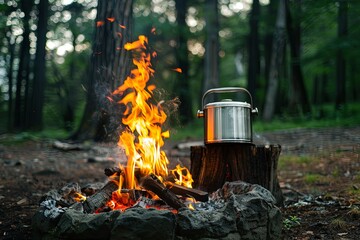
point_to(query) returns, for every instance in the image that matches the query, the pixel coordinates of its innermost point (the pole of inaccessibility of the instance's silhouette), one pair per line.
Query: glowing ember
(78, 197)
(144, 136)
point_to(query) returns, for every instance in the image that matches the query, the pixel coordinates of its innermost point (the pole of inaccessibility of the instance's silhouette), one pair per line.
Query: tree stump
(214, 164)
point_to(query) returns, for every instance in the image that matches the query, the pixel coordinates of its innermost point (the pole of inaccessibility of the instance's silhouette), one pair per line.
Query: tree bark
(37, 103)
(254, 53)
(269, 36)
(340, 59)
(23, 72)
(276, 60)
(214, 164)
(110, 64)
(182, 87)
(299, 97)
(10, 76)
(212, 47)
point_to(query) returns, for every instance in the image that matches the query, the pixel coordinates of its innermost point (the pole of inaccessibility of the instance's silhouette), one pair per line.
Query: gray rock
(217, 222)
(238, 210)
(77, 225)
(139, 223)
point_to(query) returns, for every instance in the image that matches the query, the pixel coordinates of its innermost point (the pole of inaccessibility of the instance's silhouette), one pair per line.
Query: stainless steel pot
(227, 120)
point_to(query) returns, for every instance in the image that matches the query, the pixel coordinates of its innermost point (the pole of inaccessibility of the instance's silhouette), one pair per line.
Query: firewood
(116, 170)
(198, 195)
(112, 170)
(153, 184)
(135, 194)
(99, 199)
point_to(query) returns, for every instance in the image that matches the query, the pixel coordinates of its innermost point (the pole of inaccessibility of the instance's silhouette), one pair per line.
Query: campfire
(146, 174)
(159, 202)
(147, 165)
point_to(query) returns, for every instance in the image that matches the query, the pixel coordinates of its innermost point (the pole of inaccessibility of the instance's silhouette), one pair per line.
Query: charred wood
(99, 199)
(153, 184)
(116, 171)
(188, 192)
(112, 171)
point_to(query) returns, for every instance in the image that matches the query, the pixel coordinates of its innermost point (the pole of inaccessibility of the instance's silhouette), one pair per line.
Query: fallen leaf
(22, 201)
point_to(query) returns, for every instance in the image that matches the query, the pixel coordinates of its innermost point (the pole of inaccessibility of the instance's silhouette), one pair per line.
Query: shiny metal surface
(226, 123)
(227, 120)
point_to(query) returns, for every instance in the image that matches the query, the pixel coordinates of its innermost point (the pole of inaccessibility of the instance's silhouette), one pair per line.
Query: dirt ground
(319, 172)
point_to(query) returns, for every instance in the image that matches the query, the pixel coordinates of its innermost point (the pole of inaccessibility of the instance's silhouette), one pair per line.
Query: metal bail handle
(200, 113)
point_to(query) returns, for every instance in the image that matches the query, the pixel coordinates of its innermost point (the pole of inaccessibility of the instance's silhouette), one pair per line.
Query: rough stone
(214, 223)
(139, 223)
(236, 211)
(77, 225)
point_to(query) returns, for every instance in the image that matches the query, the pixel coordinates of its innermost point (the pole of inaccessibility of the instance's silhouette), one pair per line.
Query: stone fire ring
(238, 210)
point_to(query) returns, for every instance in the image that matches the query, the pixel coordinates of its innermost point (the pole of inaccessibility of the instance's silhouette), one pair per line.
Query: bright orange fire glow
(100, 23)
(110, 19)
(183, 176)
(177, 70)
(144, 136)
(78, 197)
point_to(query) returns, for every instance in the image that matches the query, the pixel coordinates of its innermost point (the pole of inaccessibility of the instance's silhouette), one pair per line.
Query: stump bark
(214, 164)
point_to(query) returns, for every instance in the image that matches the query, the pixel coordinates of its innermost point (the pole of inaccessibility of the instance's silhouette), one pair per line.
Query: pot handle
(226, 90)
(200, 113)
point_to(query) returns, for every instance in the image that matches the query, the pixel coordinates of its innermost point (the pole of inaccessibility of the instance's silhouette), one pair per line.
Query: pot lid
(228, 103)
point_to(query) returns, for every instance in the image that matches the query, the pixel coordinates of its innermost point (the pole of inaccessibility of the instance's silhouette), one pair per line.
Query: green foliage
(311, 178)
(285, 160)
(193, 130)
(291, 222)
(354, 212)
(19, 138)
(73, 24)
(349, 116)
(339, 223)
(355, 191)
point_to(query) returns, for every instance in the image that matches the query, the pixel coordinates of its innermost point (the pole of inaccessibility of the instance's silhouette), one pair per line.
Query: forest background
(61, 60)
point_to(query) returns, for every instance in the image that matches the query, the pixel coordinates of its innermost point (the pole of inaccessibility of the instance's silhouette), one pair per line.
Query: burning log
(214, 164)
(99, 199)
(116, 171)
(153, 184)
(112, 170)
(188, 192)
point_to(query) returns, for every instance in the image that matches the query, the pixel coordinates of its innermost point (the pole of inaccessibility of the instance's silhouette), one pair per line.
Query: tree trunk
(298, 96)
(36, 111)
(340, 59)
(254, 54)
(214, 164)
(23, 70)
(10, 76)
(276, 61)
(269, 35)
(109, 67)
(212, 47)
(181, 86)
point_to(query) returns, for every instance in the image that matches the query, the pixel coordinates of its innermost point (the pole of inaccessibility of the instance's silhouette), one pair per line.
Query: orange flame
(182, 176)
(177, 70)
(144, 119)
(78, 197)
(110, 19)
(99, 23)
